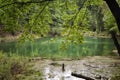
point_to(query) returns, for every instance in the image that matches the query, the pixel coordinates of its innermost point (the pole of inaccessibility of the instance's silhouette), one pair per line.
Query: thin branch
(80, 8)
(74, 17)
(23, 3)
(40, 13)
(41, 10)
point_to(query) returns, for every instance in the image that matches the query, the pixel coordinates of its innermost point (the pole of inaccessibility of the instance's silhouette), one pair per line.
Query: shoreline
(11, 38)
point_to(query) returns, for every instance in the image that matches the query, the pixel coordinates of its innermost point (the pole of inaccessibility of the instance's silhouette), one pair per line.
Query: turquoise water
(51, 48)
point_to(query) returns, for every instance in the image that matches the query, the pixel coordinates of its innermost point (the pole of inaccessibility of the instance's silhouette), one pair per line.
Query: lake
(47, 47)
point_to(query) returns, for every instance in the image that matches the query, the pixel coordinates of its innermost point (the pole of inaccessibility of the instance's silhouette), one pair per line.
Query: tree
(42, 16)
(96, 18)
(115, 9)
(36, 17)
(25, 16)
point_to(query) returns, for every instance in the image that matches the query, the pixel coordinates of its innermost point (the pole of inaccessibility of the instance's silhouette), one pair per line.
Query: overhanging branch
(75, 16)
(41, 11)
(115, 9)
(23, 3)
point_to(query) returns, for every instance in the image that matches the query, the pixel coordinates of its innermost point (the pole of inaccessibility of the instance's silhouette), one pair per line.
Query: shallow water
(57, 74)
(94, 67)
(46, 47)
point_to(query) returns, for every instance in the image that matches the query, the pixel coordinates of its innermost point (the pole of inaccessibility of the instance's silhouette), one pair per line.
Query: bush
(16, 68)
(10, 67)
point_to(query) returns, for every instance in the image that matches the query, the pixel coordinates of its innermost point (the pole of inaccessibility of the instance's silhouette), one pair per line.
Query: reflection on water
(44, 47)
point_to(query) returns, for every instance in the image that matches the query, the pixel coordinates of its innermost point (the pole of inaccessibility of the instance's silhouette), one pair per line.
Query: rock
(55, 64)
(35, 59)
(114, 51)
(98, 77)
(98, 68)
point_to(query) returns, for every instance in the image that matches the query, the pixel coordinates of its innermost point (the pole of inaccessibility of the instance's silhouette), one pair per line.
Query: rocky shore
(97, 68)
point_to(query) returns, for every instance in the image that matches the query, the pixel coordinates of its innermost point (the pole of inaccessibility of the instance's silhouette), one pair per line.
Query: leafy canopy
(31, 17)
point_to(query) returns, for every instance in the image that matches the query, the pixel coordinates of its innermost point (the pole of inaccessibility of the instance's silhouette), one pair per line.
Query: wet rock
(98, 77)
(99, 68)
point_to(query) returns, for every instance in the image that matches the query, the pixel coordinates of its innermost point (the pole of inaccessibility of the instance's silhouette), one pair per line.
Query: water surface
(46, 47)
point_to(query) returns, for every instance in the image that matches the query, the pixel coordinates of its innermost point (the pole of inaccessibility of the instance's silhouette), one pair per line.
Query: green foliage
(15, 68)
(7, 67)
(115, 77)
(110, 23)
(94, 2)
(25, 18)
(71, 17)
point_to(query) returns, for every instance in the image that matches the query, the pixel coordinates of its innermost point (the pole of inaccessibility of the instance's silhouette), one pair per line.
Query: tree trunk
(113, 34)
(100, 23)
(115, 9)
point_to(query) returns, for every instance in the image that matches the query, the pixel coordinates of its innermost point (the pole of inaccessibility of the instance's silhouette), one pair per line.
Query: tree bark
(113, 34)
(115, 9)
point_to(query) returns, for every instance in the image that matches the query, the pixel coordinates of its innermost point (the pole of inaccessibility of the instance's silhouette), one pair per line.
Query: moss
(115, 77)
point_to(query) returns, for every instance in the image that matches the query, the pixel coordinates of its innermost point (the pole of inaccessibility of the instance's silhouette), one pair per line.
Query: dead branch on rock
(81, 76)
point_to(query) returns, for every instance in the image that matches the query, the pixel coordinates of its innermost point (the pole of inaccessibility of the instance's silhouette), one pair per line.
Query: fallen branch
(81, 76)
